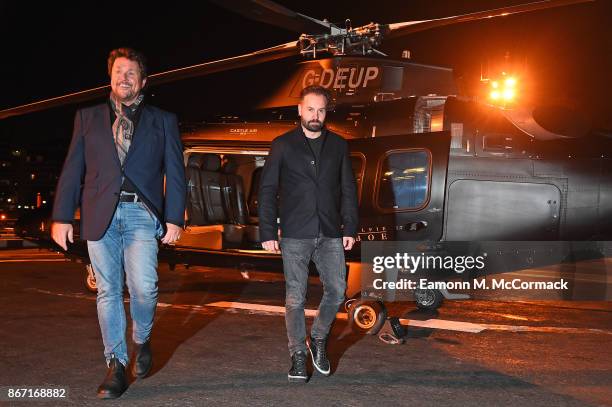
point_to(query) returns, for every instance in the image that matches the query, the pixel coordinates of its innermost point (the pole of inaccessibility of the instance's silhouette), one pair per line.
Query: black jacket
(314, 197)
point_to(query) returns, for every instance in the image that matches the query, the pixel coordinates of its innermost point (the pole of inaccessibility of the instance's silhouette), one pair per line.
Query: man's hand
(173, 233)
(271, 246)
(61, 231)
(348, 242)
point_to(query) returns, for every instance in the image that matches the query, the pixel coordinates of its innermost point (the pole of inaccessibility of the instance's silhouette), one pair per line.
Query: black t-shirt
(316, 144)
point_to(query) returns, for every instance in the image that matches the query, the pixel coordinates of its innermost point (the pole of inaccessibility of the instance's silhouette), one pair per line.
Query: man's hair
(316, 90)
(130, 54)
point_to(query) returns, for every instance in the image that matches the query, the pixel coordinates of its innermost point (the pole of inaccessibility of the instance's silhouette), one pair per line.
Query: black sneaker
(298, 372)
(319, 355)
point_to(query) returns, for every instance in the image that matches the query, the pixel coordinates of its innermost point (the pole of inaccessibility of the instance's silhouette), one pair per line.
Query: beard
(312, 125)
(124, 96)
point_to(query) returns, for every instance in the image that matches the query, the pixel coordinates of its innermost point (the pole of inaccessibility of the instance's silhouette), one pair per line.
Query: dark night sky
(51, 49)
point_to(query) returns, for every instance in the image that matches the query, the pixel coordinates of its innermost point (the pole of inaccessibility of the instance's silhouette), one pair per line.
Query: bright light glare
(510, 82)
(508, 94)
(494, 84)
(494, 95)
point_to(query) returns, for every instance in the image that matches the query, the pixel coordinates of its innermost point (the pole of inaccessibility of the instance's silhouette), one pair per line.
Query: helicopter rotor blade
(206, 68)
(253, 58)
(399, 29)
(269, 12)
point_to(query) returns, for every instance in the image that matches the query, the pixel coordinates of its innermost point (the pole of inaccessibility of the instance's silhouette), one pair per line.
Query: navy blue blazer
(91, 176)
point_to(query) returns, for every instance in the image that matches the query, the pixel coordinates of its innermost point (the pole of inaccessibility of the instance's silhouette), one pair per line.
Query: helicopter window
(404, 180)
(358, 165)
(392, 79)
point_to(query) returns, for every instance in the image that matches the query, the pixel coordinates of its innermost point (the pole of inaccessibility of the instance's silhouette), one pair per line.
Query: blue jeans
(328, 255)
(127, 251)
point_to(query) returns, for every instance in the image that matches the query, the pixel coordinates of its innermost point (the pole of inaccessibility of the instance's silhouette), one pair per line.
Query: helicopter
(430, 165)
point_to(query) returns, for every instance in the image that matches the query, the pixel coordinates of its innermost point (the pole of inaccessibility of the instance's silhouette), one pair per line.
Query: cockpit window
(403, 180)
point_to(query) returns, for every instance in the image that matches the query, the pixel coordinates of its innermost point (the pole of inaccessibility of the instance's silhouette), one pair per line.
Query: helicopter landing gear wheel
(90, 279)
(428, 299)
(367, 317)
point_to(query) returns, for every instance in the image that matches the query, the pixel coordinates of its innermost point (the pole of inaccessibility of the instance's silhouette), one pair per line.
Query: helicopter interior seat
(213, 182)
(236, 203)
(252, 232)
(195, 202)
(214, 231)
(233, 193)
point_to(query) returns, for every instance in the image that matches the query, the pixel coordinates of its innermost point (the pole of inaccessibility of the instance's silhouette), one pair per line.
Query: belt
(129, 197)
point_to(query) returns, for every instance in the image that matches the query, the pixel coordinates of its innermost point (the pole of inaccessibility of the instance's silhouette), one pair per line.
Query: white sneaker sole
(323, 372)
(297, 378)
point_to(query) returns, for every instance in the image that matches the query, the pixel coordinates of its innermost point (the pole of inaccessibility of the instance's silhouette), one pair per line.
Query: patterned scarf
(123, 127)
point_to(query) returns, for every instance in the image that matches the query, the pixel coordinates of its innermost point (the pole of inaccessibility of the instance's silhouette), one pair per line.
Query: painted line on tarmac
(268, 309)
(546, 329)
(433, 323)
(445, 324)
(69, 295)
(477, 328)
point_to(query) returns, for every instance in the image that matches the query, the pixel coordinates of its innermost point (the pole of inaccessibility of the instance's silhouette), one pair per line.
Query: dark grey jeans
(328, 255)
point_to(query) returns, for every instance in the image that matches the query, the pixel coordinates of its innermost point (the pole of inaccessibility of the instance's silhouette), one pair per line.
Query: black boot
(143, 360)
(115, 382)
(298, 372)
(319, 355)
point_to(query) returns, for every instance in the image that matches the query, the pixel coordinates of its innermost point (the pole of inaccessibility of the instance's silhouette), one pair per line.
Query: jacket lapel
(107, 134)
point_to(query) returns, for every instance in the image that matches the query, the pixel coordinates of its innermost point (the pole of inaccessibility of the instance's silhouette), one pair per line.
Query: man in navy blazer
(120, 152)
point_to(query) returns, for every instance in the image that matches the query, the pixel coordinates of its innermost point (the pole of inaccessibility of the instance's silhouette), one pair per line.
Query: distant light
(3, 217)
(494, 95)
(44, 202)
(412, 170)
(494, 84)
(9, 200)
(26, 207)
(19, 206)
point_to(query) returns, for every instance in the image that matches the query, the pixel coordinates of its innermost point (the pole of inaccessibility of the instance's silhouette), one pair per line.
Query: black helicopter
(430, 165)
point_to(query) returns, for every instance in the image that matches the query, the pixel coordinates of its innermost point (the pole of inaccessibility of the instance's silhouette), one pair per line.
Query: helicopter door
(402, 186)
